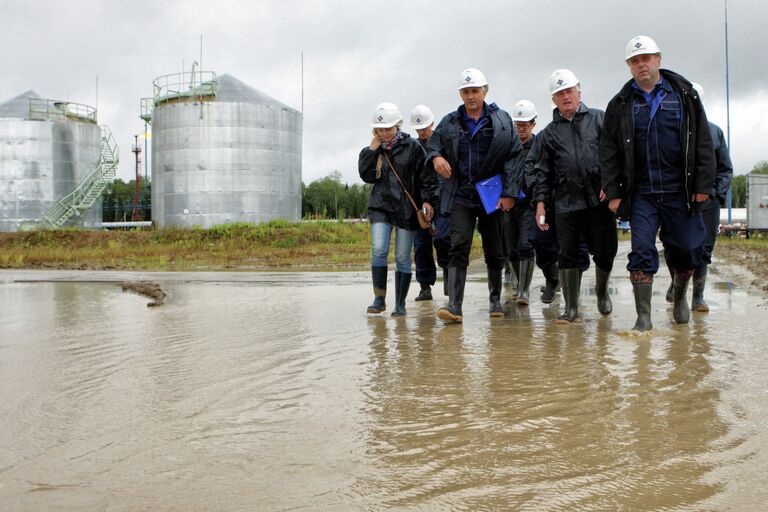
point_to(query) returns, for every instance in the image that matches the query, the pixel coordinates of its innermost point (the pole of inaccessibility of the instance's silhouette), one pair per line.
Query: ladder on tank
(89, 189)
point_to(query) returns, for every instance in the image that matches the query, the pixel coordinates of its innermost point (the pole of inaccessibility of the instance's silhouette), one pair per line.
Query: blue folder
(489, 191)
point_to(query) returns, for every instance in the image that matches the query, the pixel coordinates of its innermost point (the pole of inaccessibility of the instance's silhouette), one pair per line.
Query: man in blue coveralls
(658, 169)
(472, 144)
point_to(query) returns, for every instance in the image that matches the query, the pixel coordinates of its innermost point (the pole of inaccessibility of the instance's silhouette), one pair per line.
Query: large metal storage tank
(222, 152)
(46, 148)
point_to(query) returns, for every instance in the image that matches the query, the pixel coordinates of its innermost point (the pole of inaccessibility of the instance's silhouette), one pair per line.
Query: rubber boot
(379, 278)
(524, 285)
(699, 283)
(424, 294)
(668, 295)
(642, 287)
(570, 279)
(402, 283)
(457, 278)
(494, 290)
(604, 304)
(681, 313)
(445, 282)
(553, 283)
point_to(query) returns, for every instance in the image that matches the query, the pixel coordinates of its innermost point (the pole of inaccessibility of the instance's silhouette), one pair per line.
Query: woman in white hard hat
(394, 164)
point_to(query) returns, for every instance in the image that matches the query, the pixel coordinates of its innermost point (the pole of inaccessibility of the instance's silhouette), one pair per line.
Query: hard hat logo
(560, 82)
(638, 45)
(468, 79)
(418, 120)
(380, 118)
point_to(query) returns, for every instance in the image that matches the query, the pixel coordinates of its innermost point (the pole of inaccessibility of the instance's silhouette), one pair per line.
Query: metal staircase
(89, 189)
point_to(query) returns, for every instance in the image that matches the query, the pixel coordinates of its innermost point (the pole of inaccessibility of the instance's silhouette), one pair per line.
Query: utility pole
(729, 199)
(136, 150)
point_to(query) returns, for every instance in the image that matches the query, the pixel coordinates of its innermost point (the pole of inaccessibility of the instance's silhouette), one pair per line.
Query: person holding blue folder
(470, 145)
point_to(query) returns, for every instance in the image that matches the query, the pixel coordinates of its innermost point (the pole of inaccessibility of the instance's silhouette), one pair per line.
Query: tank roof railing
(187, 85)
(40, 108)
(147, 107)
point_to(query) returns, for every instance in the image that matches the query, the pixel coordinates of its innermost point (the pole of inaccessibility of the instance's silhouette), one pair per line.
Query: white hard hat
(472, 77)
(562, 79)
(700, 90)
(386, 115)
(641, 45)
(524, 111)
(421, 117)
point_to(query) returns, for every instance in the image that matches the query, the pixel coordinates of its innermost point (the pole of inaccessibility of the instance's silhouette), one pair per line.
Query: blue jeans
(682, 234)
(380, 236)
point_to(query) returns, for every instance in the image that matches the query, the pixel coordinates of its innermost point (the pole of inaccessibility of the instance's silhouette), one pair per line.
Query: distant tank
(47, 147)
(222, 152)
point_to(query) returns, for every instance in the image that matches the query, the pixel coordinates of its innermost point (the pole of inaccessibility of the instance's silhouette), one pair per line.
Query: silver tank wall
(239, 162)
(40, 162)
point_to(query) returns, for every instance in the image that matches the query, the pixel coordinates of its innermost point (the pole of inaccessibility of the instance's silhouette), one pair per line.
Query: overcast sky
(358, 54)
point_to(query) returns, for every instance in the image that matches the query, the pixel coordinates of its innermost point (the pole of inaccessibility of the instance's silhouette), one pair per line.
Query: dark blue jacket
(617, 166)
(505, 155)
(724, 166)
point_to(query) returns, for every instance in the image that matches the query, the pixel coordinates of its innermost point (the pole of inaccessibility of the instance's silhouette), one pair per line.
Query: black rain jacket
(564, 163)
(617, 150)
(388, 203)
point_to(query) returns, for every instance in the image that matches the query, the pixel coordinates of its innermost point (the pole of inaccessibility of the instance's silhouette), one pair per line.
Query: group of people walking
(551, 198)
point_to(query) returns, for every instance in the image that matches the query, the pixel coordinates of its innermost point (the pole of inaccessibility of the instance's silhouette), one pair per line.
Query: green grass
(239, 246)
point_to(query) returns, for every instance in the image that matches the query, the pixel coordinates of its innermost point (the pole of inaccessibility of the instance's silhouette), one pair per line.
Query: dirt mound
(151, 290)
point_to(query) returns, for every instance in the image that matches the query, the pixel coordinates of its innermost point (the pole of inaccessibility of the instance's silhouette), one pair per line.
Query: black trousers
(463, 221)
(598, 227)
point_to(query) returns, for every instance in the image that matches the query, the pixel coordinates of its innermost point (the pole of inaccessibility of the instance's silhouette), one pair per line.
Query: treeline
(329, 198)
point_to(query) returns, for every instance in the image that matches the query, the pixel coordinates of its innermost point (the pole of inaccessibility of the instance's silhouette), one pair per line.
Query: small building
(757, 201)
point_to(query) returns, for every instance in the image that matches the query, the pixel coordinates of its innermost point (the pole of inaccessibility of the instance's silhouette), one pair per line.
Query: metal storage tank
(46, 148)
(222, 152)
(757, 201)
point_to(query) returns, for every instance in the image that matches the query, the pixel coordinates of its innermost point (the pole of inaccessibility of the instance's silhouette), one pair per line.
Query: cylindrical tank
(223, 152)
(46, 148)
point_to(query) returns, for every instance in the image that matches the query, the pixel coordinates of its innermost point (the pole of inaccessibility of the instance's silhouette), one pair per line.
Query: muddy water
(276, 392)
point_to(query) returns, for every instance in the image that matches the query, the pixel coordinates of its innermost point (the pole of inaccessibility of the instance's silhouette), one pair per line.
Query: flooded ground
(276, 392)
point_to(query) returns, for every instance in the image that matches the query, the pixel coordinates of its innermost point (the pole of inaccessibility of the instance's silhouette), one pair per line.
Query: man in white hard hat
(518, 222)
(473, 144)
(658, 170)
(567, 178)
(710, 212)
(423, 121)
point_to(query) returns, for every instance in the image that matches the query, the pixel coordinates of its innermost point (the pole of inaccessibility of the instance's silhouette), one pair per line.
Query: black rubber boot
(699, 283)
(494, 290)
(379, 278)
(402, 283)
(668, 295)
(424, 294)
(524, 285)
(511, 273)
(643, 292)
(681, 313)
(553, 283)
(570, 279)
(445, 282)
(457, 278)
(604, 304)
